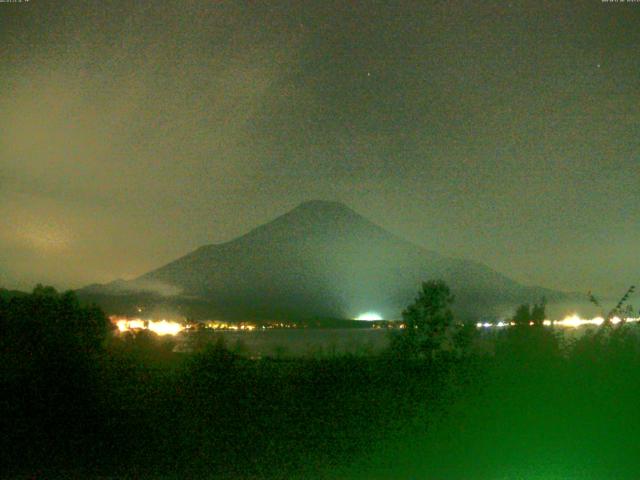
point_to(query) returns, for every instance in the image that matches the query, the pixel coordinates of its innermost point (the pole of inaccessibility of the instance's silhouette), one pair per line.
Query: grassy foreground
(77, 402)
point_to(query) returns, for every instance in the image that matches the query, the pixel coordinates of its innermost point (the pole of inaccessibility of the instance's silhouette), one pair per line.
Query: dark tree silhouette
(49, 345)
(525, 314)
(463, 338)
(522, 315)
(426, 320)
(528, 343)
(539, 312)
(622, 309)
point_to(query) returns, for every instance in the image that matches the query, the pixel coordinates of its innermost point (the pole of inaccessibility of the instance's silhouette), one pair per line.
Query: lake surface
(285, 342)
(292, 342)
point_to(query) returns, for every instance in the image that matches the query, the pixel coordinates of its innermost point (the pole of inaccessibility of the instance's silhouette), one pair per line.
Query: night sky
(506, 132)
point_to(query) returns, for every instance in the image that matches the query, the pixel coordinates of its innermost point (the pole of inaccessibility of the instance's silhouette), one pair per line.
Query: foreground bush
(78, 401)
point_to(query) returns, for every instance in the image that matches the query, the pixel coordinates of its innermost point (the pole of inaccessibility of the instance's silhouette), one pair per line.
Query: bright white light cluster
(165, 328)
(162, 327)
(369, 316)
(571, 321)
(499, 324)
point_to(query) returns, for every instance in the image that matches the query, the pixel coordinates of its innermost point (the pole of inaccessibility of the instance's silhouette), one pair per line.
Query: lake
(292, 342)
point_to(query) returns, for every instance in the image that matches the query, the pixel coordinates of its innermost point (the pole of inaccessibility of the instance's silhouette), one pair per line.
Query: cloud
(118, 135)
(121, 287)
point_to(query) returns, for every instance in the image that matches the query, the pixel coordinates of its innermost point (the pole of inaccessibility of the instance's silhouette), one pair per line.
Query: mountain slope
(321, 259)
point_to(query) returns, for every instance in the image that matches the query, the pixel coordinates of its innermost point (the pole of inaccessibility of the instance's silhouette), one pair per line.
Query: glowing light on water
(369, 316)
(125, 325)
(165, 328)
(571, 321)
(136, 324)
(161, 327)
(575, 321)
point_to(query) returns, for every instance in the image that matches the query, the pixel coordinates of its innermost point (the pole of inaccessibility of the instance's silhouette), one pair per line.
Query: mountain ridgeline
(320, 259)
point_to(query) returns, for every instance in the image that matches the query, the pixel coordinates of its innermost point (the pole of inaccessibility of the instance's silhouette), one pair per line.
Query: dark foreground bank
(77, 401)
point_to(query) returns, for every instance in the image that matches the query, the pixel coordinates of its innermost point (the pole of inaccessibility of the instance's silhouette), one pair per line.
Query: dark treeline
(78, 400)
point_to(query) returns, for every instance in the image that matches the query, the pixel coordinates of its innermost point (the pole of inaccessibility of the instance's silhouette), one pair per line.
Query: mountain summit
(321, 259)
